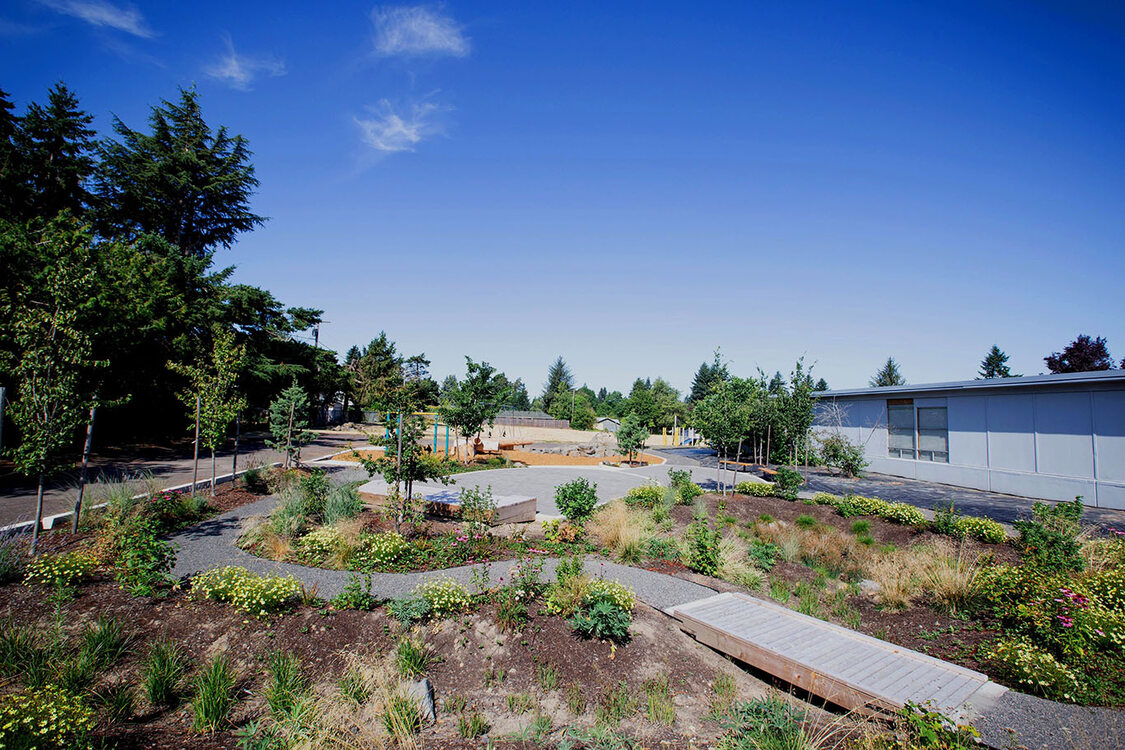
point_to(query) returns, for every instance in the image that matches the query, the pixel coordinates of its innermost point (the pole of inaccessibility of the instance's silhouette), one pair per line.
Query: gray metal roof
(1070, 378)
(516, 414)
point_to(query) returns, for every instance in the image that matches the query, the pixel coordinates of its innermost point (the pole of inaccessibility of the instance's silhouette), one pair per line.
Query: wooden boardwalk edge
(958, 692)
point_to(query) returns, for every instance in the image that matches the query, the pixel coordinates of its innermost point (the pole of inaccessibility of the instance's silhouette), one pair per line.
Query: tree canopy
(995, 365)
(888, 374)
(1084, 354)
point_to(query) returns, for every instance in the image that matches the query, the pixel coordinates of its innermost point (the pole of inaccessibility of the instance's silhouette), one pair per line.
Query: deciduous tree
(475, 401)
(1084, 354)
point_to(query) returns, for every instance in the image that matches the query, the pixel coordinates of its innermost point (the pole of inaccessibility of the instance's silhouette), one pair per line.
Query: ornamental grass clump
(214, 694)
(255, 594)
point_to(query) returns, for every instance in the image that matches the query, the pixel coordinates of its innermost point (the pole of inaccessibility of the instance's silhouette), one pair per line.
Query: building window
(933, 434)
(900, 428)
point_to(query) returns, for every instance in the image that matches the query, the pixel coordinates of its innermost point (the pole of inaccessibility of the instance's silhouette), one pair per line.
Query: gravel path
(211, 544)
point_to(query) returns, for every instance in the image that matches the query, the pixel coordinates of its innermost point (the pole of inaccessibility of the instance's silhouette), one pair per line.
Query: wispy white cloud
(100, 13)
(417, 30)
(388, 131)
(238, 71)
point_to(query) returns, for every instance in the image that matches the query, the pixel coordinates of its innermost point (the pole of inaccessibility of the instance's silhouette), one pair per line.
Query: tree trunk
(769, 428)
(289, 435)
(195, 456)
(212, 473)
(234, 458)
(38, 512)
(85, 466)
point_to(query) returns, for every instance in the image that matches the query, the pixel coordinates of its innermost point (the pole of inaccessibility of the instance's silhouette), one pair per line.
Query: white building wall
(1049, 444)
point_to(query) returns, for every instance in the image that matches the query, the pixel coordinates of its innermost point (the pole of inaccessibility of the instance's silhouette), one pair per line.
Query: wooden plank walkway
(842, 666)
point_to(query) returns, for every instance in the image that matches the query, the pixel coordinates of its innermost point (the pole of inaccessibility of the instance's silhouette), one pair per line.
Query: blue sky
(633, 185)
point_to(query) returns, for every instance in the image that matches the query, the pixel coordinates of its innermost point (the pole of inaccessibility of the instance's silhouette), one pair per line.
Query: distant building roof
(517, 414)
(608, 419)
(1069, 378)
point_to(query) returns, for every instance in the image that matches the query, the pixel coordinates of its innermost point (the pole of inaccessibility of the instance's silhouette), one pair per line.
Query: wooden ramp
(842, 666)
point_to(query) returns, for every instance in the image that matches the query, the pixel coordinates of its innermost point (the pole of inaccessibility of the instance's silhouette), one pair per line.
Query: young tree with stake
(211, 390)
(475, 400)
(631, 436)
(288, 422)
(49, 405)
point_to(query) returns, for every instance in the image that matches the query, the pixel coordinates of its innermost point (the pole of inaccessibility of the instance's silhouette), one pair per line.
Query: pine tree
(821, 385)
(57, 146)
(12, 187)
(288, 423)
(1084, 354)
(888, 375)
(995, 365)
(183, 181)
(559, 380)
(707, 377)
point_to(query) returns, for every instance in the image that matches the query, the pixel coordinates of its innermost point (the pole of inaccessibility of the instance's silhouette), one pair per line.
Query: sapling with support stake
(288, 423)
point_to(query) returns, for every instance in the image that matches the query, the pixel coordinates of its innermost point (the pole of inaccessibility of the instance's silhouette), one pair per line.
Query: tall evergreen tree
(995, 364)
(821, 385)
(11, 172)
(56, 144)
(1084, 354)
(888, 374)
(559, 380)
(183, 181)
(707, 377)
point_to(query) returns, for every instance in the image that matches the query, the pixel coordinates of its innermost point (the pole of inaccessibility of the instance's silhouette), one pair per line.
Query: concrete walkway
(17, 496)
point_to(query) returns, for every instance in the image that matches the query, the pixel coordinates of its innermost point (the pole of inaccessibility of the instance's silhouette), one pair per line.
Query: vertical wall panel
(968, 438)
(1109, 428)
(1064, 424)
(1011, 432)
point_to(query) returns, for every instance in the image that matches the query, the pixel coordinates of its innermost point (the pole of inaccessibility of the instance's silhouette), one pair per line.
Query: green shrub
(144, 559)
(703, 547)
(214, 694)
(254, 479)
(837, 452)
(806, 522)
(905, 514)
(343, 503)
(45, 717)
(1108, 587)
(762, 555)
(569, 567)
(602, 620)
(756, 489)
(409, 609)
(614, 593)
(983, 530)
(315, 488)
(1035, 669)
(787, 481)
(62, 570)
(685, 493)
(645, 496)
(162, 672)
(356, 594)
(577, 499)
(478, 508)
(445, 596)
(256, 594)
(1049, 541)
(662, 548)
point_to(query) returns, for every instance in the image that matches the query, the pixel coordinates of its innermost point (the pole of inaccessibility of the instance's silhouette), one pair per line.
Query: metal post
(398, 467)
(3, 392)
(195, 457)
(85, 465)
